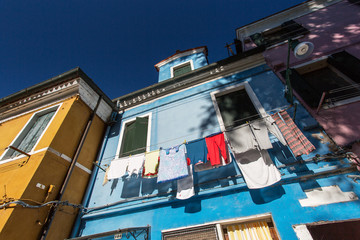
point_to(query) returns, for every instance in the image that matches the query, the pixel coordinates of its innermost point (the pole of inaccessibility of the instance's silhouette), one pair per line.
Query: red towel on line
(296, 140)
(216, 148)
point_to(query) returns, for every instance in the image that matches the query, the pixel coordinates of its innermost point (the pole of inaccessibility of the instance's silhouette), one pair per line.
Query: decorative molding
(206, 74)
(179, 55)
(281, 17)
(52, 95)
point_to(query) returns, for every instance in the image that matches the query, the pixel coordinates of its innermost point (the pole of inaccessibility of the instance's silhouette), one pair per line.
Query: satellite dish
(303, 50)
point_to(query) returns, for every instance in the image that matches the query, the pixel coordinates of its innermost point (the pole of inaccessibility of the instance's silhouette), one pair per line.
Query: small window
(134, 138)
(338, 77)
(289, 29)
(31, 133)
(236, 106)
(181, 69)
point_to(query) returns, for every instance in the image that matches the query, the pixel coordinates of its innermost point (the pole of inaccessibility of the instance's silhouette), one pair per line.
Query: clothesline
(183, 137)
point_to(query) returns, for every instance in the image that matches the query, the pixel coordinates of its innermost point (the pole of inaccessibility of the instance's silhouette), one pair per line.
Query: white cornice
(55, 94)
(281, 17)
(179, 55)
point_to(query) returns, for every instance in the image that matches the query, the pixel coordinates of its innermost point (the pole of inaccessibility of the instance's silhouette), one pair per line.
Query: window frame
(123, 125)
(259, 108)
(19, 137)
(320, 63)
(222, 223)
(180, 65)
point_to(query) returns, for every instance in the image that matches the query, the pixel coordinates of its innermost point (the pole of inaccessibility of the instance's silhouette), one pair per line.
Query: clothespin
(185, 141)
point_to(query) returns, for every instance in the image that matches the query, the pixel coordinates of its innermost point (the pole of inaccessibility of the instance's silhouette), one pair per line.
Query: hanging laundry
(257, 168)
(106, 179)
(151, 165)
(185, 186)
(126, 166)
(261, 128)
(254, 135)
(241, 139)
(172, 164)
(296, 140)
(135, 164)
(196, 151)
(216, 148)
(118, 168)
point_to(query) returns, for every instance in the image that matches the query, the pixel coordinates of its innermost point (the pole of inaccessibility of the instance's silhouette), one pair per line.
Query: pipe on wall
(69, 173)
(90, 186)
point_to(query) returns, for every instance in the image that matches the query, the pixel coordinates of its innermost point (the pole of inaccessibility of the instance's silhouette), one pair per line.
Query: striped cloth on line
(296, 140)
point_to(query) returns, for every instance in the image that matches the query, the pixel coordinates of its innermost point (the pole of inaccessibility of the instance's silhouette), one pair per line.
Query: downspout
(70, 170)
(86, 198)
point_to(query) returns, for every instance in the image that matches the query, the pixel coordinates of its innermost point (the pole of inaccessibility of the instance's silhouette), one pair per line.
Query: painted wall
(188, 115)
(47, 167)
(199, 60)
(333, 29)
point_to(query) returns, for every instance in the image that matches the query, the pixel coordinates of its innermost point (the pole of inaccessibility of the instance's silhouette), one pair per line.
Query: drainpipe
(71, 168)
(86, 198)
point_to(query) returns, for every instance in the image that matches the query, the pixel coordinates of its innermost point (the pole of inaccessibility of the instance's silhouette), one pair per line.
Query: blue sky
(115, 42)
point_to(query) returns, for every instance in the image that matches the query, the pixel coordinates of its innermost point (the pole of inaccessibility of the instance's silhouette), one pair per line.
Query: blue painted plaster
(199, 60)
(188, 115)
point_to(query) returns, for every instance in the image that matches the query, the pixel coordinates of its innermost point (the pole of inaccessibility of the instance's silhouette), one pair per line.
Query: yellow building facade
(50, 137)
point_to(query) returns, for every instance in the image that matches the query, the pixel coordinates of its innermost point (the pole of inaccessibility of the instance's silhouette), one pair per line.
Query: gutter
(53, 210)
(90, 187)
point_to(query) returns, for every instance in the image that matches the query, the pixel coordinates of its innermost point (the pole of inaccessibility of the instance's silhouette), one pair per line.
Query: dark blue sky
(116, 42)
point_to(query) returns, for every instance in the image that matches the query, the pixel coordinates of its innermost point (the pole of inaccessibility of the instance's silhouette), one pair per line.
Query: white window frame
(234, 88)
(181, 64)
(25, 130)
(220, 224)
(123, 125)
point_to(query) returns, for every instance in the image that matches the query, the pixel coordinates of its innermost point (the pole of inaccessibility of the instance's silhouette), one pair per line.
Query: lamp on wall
(301, 51)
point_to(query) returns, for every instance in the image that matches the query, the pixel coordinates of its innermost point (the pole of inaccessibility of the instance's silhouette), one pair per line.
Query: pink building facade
(327, 82)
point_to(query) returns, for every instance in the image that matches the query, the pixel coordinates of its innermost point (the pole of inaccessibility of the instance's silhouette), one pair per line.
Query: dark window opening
(236, 108)
(182, 69)
(135, 137)
(285, 31)
(338, 77)
(335, 231)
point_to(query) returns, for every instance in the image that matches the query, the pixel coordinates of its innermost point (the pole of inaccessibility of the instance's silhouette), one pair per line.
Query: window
(337, 77)
(248, 228)
(31, 133)
(236, 105)
(251, 230)
(134, 136)
(289, 29)
(328, 230)
(182, 69)
(198, 233)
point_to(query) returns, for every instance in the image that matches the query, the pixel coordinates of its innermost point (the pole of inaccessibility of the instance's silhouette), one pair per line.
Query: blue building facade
(194, 100)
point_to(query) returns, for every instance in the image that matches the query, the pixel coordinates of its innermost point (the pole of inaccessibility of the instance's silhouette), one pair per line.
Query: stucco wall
(332, 29)
(189, 115)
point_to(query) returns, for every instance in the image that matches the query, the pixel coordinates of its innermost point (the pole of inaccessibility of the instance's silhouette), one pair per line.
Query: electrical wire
(26, 205)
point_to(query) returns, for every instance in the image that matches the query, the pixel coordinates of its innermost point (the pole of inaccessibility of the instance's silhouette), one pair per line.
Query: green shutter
(347, 64)
(135, 136)
(182, 69)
